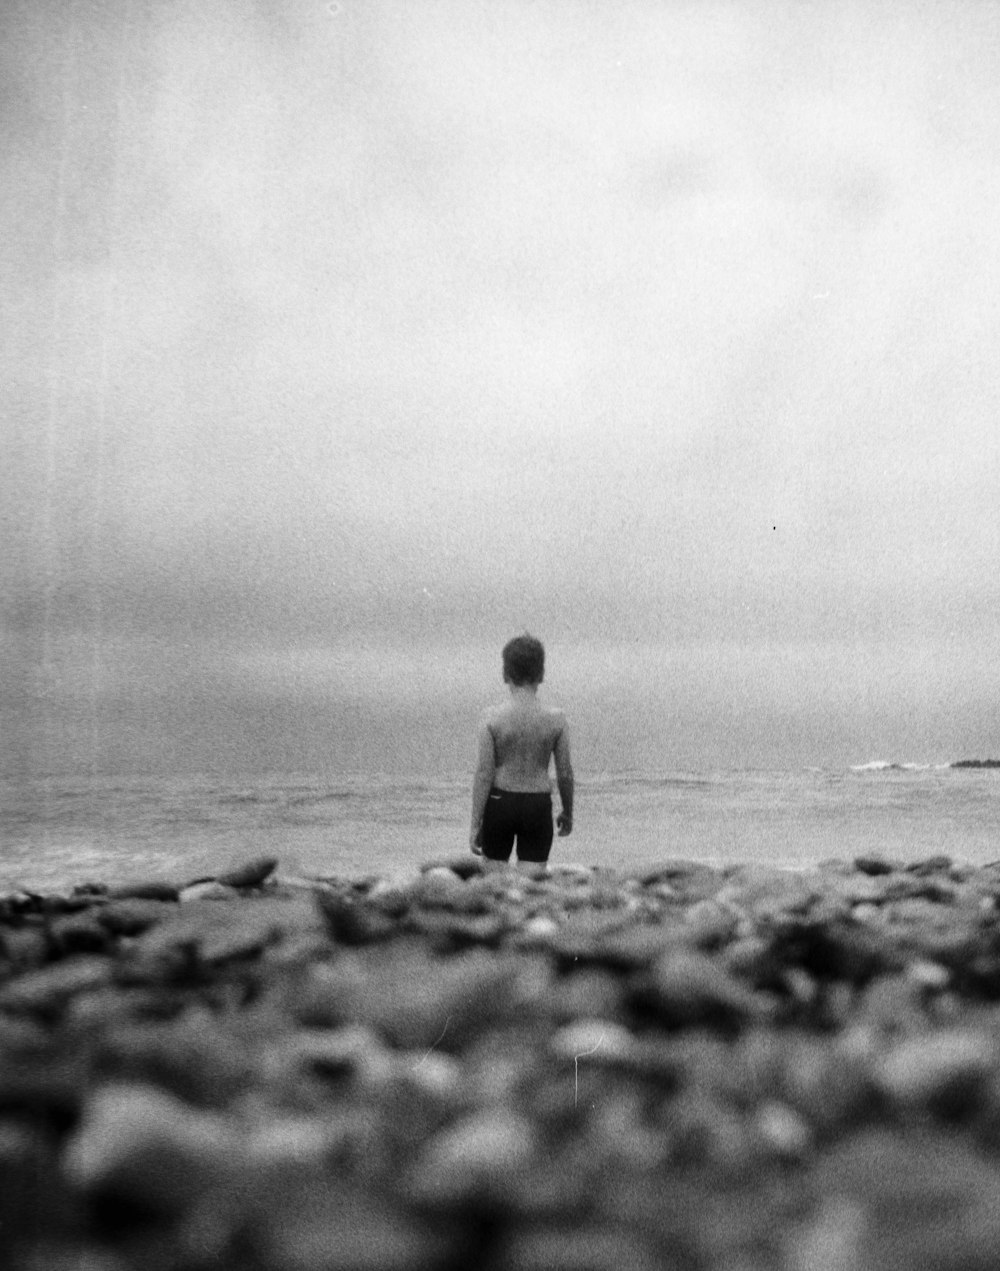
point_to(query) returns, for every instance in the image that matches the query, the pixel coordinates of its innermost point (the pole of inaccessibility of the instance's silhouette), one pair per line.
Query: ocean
(56, 832)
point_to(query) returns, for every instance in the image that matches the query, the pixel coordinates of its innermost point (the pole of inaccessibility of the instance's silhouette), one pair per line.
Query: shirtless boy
(511, 791)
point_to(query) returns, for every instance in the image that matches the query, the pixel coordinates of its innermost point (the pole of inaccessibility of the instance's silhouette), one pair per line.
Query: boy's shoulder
(498, 712)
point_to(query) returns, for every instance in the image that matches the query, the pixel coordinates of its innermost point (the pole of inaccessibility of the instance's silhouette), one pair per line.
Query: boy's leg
(498, 827)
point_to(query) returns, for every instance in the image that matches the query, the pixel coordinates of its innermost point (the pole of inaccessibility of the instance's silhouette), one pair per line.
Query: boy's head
(523, 661)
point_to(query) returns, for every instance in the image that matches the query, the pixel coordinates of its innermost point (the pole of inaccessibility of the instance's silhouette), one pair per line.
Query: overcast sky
(342, 341)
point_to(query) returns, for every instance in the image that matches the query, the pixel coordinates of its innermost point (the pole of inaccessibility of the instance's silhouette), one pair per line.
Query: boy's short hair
(524, 660)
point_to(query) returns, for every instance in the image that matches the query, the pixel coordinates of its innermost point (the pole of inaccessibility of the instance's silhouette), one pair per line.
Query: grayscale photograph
(500, 582)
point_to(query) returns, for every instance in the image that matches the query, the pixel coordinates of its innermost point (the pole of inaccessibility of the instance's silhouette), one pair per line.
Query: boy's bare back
(526, 735)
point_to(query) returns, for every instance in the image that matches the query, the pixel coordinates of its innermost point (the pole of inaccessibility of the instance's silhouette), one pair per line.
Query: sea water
(56, 832)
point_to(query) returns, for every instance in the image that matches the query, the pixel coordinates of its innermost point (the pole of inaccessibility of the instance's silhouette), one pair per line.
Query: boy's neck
(523, 690)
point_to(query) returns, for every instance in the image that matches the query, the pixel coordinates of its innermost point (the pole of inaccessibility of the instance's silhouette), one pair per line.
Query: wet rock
(142, 1148)
(252, 874)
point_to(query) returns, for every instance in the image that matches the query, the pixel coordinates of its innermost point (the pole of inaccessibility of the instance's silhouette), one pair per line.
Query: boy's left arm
(482, 783)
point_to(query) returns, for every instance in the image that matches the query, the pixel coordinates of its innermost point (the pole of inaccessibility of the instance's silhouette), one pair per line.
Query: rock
(874, 865)
(946, 1072)
(577, 1247)
(477, 1159)
(928, 1202)
(319, 1222)
(29, 1172)
(207, 889)
(252, 874)
(709, 925)
(328, 1052)
(783, 1130)
(141, 1147)
(690, 880)
(49, 988)
(78, 933)
(596, 1040)
(209, 932)
(152, 889)
(25, 946)
(440, 887)
(686, 988)
(132, 916)
(194, 1056)
(354, 922)
(931, 865)
(465, 866)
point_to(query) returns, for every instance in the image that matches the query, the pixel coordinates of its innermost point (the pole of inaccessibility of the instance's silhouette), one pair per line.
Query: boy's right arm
(564, 780)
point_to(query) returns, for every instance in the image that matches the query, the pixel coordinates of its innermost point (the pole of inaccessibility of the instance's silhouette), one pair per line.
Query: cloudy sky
(342, 341)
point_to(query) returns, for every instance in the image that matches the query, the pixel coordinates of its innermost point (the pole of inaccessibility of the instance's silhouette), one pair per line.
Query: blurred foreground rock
(470, 1066)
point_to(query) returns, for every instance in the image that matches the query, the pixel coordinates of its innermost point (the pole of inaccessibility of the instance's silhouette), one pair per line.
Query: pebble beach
(700, 1068)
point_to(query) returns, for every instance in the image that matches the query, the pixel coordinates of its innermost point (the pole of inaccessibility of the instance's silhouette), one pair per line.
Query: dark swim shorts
(524, 815)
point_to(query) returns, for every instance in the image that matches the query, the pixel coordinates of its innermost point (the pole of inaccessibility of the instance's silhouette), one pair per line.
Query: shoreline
(509, 1068)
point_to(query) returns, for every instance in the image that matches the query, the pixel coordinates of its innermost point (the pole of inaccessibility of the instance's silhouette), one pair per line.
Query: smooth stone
(874, 866)
(578, 1247)
(950, 1069)
(354, 922)
(691, 988)
(207, 889)
(212, 932)
(479, 1157)
(326, 1051)
(466, 866)
(140, 1145)
(783, 1129)
(78, 933)
(50, 987)
(132, 916)
(709, 924)
(252, 874)
(598, 1040)
(310, 1221)
(152, 889)
(25, 946)
(439, 886)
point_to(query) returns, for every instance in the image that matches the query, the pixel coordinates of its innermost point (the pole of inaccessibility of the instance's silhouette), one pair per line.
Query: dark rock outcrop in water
(697, 1068)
